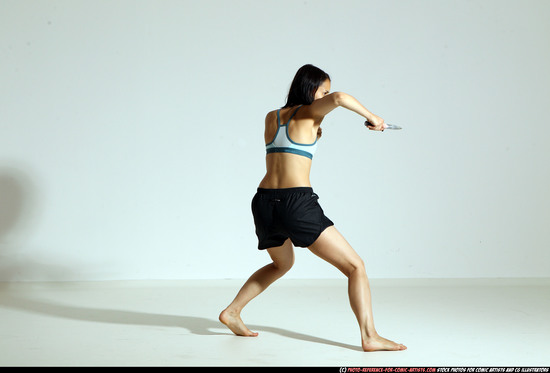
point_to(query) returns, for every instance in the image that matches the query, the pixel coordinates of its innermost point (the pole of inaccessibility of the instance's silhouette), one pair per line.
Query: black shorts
(292, 213)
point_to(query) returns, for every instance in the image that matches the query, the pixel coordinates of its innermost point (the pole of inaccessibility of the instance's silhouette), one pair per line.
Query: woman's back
(288, 168)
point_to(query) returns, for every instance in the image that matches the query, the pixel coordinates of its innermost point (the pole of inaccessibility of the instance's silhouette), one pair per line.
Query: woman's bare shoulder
(271, 115)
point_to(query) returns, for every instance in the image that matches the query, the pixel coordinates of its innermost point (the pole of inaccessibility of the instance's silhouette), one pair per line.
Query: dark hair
(306, 82)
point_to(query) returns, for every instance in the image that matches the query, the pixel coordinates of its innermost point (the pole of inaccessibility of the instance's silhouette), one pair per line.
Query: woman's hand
(375, 123)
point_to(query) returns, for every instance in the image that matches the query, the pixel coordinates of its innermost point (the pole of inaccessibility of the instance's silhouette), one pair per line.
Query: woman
(285, 208)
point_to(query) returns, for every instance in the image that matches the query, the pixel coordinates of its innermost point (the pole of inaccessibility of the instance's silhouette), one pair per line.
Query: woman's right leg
(283, 259)
(333, 247)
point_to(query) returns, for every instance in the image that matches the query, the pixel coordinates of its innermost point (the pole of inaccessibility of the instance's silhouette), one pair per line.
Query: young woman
(285, 208)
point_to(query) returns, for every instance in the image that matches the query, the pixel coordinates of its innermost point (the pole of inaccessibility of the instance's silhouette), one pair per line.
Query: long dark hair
(304, 85)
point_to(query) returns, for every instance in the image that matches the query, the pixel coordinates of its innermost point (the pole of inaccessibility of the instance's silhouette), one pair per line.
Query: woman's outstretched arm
(321, 107)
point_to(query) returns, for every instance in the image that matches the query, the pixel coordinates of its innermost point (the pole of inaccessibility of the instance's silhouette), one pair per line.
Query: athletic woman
(286, 210)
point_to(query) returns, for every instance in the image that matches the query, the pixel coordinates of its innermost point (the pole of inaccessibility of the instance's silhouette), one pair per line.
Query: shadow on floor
(195, 325)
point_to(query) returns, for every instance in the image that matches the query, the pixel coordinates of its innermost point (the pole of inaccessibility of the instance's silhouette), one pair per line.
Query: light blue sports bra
(282, 143)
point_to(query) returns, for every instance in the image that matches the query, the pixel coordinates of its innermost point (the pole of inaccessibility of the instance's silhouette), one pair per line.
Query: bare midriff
(286, 170)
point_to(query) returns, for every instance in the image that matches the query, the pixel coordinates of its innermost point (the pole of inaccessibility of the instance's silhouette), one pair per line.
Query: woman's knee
(282, 256)
(284, 265)
(355, 266)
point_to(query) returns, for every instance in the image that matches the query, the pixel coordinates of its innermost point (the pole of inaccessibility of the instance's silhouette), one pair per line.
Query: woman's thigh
(333, 247)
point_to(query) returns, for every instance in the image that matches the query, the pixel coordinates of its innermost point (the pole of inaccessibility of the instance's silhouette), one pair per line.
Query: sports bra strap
(295, 111)
(279, 117)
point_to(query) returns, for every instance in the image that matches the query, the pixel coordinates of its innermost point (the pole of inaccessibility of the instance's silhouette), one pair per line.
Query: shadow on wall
(18, 215)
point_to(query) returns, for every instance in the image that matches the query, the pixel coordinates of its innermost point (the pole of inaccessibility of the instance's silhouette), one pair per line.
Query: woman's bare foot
(378, 343)
(233, 321)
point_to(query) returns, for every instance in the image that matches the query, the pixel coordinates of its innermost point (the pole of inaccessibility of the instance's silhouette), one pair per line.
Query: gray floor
(301, 323)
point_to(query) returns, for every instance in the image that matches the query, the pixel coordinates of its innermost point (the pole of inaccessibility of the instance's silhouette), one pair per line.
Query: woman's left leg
(333, 247)
(283, 259)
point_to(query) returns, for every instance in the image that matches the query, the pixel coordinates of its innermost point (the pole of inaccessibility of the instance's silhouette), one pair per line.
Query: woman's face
(323, 90)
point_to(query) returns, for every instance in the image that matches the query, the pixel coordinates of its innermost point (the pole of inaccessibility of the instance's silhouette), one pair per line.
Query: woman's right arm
(321, 107)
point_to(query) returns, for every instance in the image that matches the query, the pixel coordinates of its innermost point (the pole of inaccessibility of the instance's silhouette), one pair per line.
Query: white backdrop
(131, 138)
